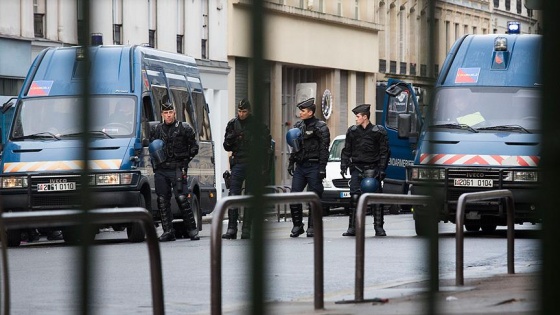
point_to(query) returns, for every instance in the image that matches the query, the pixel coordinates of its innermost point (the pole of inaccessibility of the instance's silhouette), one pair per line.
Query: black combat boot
(378, 220)
(297, 219)
(167, 225)
(231, 233)
(188, 217)
(246, 227)
(310, 224)
(351, 231)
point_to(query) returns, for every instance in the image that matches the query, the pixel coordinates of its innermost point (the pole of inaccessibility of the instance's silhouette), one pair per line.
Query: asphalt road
(44, 276)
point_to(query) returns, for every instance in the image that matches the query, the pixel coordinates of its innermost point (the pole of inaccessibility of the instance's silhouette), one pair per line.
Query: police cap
(308, 103)
(244, 104)
(361, 109)
(166, 103)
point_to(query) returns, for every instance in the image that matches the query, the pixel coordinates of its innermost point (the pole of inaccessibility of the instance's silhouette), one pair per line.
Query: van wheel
(73, 235)
(421, 227)
(135, 231)
(472, 226)
(13, 237)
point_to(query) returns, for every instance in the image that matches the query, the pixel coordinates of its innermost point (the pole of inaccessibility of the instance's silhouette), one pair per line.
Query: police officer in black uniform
(308, 165)
(240, 139)
(366, 148)
(179, 148)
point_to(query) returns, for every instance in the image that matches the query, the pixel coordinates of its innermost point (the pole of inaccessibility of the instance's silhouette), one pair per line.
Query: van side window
(203, 123)
(400, 104)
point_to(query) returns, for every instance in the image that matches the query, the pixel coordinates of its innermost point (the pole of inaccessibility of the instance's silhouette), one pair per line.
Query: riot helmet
(156, 151)
(294, 139)
(369, 185)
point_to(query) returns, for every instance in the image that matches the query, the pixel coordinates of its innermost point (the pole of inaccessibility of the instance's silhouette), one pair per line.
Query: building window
(39, 25)
(508, 5)
(382, 65)
(402, 66)
(518, 6)
(423, 71)
(203, 49)
(412, 68)
(152, 39)
(180, 44)
(393, 66)
(117, 34)
(496, 3)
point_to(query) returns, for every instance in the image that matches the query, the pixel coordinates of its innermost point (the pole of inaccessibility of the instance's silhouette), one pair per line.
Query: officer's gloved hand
(382, 175)
(343, 171)
(291, 169)
(322, 173)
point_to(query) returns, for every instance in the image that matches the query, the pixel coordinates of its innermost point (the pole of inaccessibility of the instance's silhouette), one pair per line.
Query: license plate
(472, 182)
(56, 186)
(345, 194)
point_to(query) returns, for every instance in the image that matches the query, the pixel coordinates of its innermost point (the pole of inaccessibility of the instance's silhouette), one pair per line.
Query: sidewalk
(500, 294)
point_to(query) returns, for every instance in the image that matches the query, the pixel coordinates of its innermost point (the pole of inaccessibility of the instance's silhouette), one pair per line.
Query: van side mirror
(6, 106)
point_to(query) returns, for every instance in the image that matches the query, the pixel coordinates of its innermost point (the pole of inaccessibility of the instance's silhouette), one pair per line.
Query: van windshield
(110, 116)
(488, 107)
(336, 150)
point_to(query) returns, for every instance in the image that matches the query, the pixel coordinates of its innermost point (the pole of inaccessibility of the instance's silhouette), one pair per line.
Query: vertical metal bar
(5, 269)
(216, 256)
(510, 232)
(360, 247)
(317, 209)
(85, 263)
(459, 239)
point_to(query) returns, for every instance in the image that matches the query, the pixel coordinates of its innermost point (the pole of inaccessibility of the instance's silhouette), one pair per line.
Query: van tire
(73, 235)
(135, 231)
(13, 237)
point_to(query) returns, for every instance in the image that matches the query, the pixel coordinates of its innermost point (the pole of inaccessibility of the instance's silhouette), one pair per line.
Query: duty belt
(171, 165)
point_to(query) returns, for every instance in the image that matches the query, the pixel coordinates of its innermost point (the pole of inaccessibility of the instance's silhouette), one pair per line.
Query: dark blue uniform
(366, 148)
(240, 140)
(170, 175)
(308, 165)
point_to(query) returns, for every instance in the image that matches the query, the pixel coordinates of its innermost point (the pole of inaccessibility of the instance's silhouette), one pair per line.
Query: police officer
(240, 139)
(366, 148)
(308, 164)
(179, 148)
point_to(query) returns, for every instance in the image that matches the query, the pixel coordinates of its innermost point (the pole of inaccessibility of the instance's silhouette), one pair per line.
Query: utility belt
(363, 167)
(172, 165)
(312, 160)
(233, 160)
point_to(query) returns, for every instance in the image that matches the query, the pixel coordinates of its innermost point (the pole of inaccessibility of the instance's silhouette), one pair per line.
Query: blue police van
(43, 156)
(482, 133)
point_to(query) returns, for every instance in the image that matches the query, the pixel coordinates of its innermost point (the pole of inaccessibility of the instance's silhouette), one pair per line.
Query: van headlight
(426, 174)
(327, 183)
(14, 182)
(108, 179)
(522, 176)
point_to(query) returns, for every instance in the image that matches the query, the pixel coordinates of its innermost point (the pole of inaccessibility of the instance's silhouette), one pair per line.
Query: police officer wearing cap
(179, 147)
(240, 139)
(366, 148)
(308, 164)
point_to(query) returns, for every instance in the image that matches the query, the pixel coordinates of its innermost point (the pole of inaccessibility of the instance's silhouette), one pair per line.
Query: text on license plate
(345, 194)
(472, 182)
(56, 186)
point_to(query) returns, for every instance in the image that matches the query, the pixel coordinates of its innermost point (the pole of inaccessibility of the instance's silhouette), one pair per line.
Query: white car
(337, 189)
